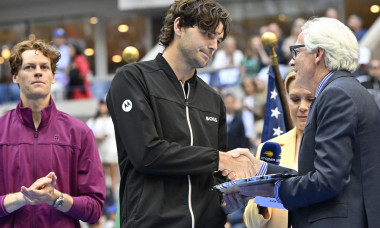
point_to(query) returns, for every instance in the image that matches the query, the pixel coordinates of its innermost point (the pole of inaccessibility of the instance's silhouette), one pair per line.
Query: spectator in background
(331, 12)
(229, 56)
(263, 29)
(58, 89)
(361, 73)
(291, 39)
(79, 87)
(39, 141)
(255, 57)
(373, 84)
(276, 29)
(282, 60)
(5, 76)
(355, 23)
(253, 103)
(235, 126)
(254, 96)
(102, 127)
(258, 110)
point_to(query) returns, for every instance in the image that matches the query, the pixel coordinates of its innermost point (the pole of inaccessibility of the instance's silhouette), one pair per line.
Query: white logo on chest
(127, 105)
(213, 119)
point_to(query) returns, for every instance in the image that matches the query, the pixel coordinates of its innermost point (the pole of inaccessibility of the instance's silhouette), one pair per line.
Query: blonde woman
(299, 102)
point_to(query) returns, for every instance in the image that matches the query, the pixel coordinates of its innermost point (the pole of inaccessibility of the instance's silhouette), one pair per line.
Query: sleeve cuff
(276, 191)
(76, 208)
(263, 169)
(3, 212)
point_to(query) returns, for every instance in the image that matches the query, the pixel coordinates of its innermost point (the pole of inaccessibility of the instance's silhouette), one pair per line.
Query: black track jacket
(168, 136)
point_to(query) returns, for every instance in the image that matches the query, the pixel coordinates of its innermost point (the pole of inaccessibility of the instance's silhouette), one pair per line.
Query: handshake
(238, 163)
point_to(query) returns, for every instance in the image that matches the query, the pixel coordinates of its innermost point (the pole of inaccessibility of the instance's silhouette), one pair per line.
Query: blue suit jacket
(236, 134)
(339, 160)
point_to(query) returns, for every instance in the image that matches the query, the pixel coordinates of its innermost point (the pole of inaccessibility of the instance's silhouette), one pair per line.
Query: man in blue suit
(339, 160)
(235, 126)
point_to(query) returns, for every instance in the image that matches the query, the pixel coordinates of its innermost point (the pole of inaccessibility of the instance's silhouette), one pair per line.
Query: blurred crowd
(72, 77)
(244, 95)
(73, 70)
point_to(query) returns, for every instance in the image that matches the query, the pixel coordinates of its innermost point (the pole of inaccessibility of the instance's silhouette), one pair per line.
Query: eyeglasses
(293, 50)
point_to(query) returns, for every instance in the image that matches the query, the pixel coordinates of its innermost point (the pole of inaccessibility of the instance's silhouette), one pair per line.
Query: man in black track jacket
(171, 126)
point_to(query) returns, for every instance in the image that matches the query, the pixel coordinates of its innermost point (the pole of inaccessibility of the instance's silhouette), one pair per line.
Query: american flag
(274, 120)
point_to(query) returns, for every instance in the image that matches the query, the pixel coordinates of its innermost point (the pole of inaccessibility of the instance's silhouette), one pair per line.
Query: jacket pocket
(323, 211)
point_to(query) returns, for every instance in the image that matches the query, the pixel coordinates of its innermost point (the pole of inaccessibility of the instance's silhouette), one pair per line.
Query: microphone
(270, 153)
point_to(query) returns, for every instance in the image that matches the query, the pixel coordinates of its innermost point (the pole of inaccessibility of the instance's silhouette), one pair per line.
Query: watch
(59, 201)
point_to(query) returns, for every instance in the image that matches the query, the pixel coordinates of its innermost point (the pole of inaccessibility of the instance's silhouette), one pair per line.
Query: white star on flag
(277, 131)
(274, 124)
(273, 95)
(275, 112)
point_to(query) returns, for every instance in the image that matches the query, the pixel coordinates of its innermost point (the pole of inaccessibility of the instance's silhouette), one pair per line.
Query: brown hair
(206, 14)
(15, 60)
(248, 50)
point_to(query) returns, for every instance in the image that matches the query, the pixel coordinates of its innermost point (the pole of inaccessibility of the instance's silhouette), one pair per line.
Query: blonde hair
(289, 78)
(15, 60)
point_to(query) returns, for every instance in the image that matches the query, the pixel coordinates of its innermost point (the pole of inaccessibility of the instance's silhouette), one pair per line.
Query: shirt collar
(323, 83)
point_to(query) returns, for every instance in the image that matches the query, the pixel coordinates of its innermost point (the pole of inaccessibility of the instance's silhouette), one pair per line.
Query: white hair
(336, 39)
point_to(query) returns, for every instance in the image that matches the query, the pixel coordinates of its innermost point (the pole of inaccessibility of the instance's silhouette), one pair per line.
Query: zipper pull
(36, 133)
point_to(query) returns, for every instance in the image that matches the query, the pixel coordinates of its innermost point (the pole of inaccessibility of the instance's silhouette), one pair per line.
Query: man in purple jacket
(50, 170)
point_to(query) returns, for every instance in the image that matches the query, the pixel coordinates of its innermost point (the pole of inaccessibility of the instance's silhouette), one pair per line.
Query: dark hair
(77, 49)
(360, 18)
(229, 95)
(101, 102)
(206, 14)
(251, 80)
(15, 60)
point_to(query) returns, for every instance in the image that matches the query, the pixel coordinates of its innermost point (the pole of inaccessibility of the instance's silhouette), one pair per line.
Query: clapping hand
(41, 191)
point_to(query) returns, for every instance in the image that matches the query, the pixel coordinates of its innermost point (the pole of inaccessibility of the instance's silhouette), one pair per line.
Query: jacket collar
(26, 117)
(164, 65)
(336, 75)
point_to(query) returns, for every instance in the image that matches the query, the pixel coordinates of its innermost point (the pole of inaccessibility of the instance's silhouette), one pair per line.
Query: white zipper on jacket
(191, 143)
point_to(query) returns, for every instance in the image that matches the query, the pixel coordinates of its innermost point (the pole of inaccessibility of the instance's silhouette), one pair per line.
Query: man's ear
(320, 54)
(177, 26)
(15, 78)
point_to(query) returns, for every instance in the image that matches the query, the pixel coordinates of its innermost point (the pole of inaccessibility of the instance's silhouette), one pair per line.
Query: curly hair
(206, 14)
(15, 60)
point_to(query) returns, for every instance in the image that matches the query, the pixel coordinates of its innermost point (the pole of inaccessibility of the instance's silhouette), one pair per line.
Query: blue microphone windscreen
(271, 153)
